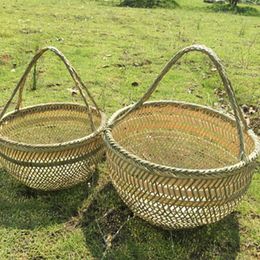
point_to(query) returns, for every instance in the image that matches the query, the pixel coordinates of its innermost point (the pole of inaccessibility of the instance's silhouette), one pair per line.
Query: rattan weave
(51, 146)
(180, 165)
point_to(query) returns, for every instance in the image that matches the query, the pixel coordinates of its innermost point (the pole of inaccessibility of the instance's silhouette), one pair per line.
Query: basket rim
(27, 146)
(153, 167)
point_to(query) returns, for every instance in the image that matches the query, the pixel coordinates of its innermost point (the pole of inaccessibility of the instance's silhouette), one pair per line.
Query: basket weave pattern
(180, 165)
(51, 146)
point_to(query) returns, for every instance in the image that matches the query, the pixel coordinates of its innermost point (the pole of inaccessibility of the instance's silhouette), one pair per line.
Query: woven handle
(79, 84)
(226, 82)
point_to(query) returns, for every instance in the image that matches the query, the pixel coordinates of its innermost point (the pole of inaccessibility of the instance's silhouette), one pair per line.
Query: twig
(107, 213)
(171, 241)
(100, 230)
(110, 239)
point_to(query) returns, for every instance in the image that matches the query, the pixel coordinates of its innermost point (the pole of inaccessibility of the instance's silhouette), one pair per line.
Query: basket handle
(226, 82)
(79, 84)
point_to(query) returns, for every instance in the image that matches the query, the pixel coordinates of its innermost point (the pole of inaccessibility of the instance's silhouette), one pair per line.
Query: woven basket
(51, 146)
(180, 165)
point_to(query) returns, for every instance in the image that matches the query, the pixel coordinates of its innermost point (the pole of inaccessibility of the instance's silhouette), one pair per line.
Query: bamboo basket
(177, 164)
(55, 145)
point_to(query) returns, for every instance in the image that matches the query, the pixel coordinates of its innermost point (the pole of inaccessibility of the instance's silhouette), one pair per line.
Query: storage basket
(51, 146)
(177, 164)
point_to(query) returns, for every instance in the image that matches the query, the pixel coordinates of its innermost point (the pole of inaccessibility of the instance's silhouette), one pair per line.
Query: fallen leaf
(73, 91)
(190, 90)
(59, 39)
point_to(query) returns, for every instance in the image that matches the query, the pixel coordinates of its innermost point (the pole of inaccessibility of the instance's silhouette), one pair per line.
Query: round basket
(51, 146)
(180, 165)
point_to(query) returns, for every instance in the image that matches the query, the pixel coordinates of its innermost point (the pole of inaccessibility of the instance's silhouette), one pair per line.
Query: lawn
(118, 52)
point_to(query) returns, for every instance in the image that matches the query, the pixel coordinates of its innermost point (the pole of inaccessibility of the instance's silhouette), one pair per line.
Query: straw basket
(180, 165)
(51, 146)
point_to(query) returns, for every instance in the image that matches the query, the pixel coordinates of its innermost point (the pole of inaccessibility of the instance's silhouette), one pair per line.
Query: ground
(118, 52)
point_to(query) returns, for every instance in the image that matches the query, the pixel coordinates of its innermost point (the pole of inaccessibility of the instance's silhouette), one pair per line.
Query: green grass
(113, 47)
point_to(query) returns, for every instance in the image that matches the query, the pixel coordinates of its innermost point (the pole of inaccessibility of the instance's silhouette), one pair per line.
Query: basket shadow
(138, 239)
(25, 208)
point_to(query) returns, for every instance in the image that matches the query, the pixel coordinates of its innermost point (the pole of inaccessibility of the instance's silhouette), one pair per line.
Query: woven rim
(24, 146)
(153, 167)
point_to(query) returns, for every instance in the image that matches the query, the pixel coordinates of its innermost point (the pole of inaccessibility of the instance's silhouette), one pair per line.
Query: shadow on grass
(140, 240)
(241, 10)
(149, 3)
(25, 208)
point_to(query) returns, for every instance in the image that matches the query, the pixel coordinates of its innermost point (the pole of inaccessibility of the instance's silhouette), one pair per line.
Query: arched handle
(79, 84)
(226, 82)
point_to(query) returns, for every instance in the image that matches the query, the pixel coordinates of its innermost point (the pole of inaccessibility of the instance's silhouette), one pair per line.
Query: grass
(118, 52)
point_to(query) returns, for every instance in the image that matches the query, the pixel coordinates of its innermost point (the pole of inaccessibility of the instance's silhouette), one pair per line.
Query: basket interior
(182, 136)
(49, 124)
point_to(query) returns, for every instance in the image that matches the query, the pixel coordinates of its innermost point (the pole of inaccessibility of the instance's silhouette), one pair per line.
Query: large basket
(180, 165)
(51, 146)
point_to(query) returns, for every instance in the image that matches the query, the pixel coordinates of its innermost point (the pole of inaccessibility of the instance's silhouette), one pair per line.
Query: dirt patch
(5, 59)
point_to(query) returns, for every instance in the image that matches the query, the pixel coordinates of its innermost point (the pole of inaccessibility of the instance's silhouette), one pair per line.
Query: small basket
(51, 146)
(181, 165)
